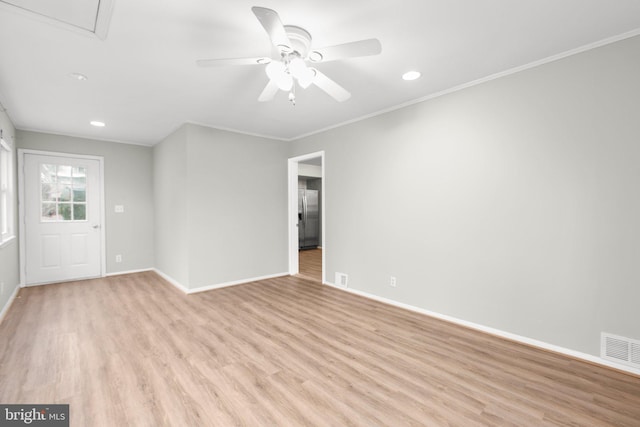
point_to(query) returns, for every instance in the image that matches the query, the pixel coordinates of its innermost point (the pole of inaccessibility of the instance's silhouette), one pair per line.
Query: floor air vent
(620, 349)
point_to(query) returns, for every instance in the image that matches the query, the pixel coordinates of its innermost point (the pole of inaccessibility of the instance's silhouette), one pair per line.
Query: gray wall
(235, 196)
(128, 181)
(171, 206)
(514, 204)
(9, 264)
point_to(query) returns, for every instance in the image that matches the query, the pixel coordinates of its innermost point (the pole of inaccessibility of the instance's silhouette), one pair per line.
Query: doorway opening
(307, 247)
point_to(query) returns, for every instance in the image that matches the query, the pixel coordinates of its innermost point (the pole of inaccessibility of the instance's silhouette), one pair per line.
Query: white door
(62, 218)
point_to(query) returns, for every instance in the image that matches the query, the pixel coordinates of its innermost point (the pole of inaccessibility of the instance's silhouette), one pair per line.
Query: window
(7, 192)
(63, 192)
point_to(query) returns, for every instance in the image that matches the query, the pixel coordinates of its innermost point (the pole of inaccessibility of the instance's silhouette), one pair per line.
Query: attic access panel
(87, 15)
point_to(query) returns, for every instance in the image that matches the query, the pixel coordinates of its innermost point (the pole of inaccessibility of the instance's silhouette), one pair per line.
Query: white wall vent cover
(620, 349)
(342, 280)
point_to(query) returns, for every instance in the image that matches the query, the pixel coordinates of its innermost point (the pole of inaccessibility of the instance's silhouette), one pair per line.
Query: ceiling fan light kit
(293, 44)
(284, 72)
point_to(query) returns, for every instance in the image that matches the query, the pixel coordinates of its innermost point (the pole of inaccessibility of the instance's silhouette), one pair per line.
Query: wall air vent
(342, 280)
(620, 349)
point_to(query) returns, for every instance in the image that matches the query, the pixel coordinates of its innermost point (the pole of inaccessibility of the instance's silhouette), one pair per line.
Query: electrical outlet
(118, 258)
(392, 282)
(1, 288)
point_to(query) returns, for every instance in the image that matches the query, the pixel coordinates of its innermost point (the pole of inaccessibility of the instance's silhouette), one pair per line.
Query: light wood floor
(310, 264)
(133, 350)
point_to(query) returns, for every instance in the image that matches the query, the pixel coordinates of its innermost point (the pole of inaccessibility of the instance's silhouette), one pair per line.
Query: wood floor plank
(133, 350)
(310, 264)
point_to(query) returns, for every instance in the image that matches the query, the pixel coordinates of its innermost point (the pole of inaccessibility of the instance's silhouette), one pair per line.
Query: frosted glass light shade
(277, 72)
(284, 82)
(275, 69)
(297, 67)
(307, 78)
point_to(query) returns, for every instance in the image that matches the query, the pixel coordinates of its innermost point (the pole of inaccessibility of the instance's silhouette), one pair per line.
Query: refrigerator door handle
(304, 208)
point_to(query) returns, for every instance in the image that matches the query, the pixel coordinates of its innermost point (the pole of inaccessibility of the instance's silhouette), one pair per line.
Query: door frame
(292, 210)
(22, 152)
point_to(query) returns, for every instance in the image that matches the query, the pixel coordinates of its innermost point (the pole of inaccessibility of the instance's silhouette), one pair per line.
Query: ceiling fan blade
(332, 88)
(272, 24)
(350, 50)
(269, 92)
(231, 61)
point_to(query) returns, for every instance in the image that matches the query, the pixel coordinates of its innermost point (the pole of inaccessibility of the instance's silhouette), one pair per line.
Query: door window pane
(79, 195)
(48, 192)
(48, 182)
(64, 172)
(64, 191)
(64, 211)
(79, 212)
(79, 184)
(49, 212)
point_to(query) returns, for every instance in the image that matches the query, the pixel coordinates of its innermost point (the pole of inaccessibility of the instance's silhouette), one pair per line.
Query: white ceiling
(144, 83)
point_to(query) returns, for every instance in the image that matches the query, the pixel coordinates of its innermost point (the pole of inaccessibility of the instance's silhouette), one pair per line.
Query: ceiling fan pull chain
(292, 95)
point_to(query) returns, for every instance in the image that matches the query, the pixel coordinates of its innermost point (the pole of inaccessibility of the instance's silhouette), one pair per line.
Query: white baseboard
(6, 307)
(171, 280)
(216, 286)
(120, 273)
(496, 332)
(116, 273)
(234, 283)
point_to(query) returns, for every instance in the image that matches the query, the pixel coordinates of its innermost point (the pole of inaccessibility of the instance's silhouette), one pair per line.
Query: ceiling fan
(292, 56)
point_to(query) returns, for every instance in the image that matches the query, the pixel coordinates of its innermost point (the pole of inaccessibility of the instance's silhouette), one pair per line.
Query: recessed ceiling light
(97, 124)
(78, 76)
(411, 75)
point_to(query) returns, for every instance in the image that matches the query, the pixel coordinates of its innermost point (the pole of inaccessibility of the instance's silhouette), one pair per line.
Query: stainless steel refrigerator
(308, 219)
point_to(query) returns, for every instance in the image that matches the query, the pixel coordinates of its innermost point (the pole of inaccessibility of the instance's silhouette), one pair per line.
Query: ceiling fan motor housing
(300, 39)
